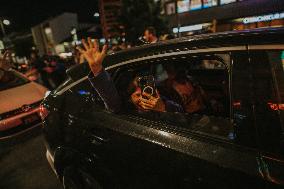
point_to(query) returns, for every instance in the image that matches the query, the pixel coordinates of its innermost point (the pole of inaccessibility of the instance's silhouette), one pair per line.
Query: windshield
(10, 79)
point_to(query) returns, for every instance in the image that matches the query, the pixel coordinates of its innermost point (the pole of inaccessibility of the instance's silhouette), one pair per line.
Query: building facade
(192, 16)
(110, 11)
(49, 34)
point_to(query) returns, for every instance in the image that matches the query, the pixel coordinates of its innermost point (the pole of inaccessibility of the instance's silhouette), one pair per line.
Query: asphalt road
(23, 164)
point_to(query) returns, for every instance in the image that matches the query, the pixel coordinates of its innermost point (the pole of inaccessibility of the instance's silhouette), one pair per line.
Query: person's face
(147, 35)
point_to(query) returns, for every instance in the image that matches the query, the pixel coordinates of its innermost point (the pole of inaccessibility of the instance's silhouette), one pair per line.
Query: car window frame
(203, 53)
(267, 48)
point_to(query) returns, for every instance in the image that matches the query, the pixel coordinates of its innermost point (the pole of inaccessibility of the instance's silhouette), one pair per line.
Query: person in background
(181, 88)
(150, 35)
(5, 60)
(36, 68)
(78, 57)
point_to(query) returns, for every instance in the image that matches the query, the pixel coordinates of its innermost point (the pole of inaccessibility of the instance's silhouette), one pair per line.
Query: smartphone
(147, 85)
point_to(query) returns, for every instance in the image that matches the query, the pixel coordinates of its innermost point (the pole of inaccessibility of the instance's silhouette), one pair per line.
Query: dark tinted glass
(242, 99)
(268, 91)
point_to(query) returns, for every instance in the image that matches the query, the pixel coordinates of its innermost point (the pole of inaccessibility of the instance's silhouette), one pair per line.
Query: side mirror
(78, 71)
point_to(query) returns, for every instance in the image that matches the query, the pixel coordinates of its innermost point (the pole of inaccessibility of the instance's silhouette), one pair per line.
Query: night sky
(26, 13)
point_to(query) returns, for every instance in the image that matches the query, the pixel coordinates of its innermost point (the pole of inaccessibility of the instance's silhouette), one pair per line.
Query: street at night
(142, 94)
(23, 163)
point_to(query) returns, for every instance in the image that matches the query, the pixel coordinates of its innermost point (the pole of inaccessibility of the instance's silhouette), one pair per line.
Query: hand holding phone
(147, 85)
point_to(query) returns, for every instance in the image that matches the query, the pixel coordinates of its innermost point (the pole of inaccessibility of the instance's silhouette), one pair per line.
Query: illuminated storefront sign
(223, 2)
(191, 28)
(183, 6)
(195, 4)
(263, 18)
(209, 3)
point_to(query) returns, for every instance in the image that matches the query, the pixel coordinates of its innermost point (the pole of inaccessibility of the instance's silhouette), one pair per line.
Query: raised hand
(93, 55)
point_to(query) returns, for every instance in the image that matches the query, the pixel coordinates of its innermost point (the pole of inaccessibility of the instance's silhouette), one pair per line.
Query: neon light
(223, 2)
(263, 18)
(188, 28)
(83, 92)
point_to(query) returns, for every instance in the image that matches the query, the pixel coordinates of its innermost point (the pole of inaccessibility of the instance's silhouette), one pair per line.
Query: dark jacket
(105, 87)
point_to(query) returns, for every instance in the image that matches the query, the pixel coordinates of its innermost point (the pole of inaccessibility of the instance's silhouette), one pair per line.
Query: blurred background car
(20, 101)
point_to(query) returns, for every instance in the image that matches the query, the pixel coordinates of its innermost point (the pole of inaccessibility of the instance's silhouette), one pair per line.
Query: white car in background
(20, 101)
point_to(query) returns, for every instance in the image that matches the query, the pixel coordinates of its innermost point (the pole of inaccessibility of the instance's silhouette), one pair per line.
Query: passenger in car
(105, 87)
(182, 89)
(191, 95)
(145, 102)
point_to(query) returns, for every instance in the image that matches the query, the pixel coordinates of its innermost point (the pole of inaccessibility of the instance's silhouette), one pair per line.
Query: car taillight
(43, 112)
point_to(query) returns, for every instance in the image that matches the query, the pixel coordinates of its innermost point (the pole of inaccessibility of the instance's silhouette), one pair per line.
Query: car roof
(213, 40)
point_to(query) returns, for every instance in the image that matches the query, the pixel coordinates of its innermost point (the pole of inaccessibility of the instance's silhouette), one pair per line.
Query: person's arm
(104, 85)
(171, 106)
(159, 103)
(98, 77)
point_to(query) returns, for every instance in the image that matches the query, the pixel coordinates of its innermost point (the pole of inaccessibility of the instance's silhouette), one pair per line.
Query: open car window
(197, 84)
(10, 79)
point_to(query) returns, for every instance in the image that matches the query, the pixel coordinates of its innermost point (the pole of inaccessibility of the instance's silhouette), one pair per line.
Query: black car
(238, 142)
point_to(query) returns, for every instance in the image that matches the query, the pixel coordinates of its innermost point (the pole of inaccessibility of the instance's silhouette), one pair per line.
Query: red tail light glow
(43, 112)
(275, 107)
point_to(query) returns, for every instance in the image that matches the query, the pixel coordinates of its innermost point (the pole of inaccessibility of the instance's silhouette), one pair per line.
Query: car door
(173, 150)
(268, 94)
(231, 160)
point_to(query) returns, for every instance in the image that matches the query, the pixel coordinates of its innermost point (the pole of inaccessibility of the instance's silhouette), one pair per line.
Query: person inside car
(105, 87)
(182, 88)
(191, 95)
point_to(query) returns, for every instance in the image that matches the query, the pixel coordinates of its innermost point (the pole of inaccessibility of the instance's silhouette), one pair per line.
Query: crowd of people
(49, 70)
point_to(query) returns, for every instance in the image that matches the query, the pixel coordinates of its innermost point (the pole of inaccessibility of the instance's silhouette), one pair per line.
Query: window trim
(207, 50)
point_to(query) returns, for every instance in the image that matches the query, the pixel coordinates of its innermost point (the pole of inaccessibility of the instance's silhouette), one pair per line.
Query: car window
(199, 85)
(268, 89)
(242, 100)
(11, 79)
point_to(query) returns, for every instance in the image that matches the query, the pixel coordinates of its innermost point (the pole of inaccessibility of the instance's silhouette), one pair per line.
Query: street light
(96, 14)
(6, 22)
(2, 23)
